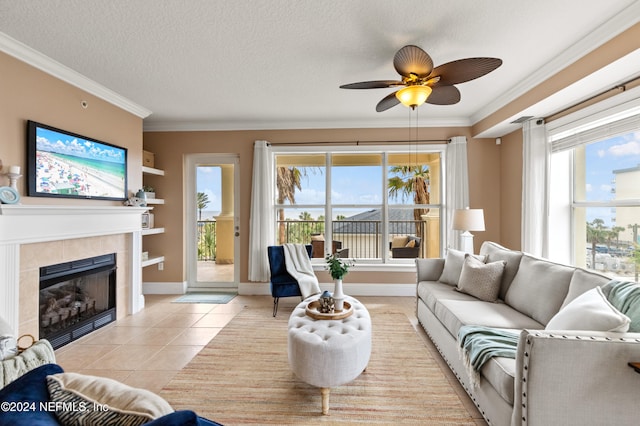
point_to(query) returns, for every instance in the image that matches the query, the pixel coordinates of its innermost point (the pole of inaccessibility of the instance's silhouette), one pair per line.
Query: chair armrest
(576, 377)
(429, 269)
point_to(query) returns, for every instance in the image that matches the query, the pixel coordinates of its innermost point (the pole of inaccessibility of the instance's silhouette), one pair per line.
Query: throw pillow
(589, 311)
(539, 288)
(103, 401)
(481, 280)
(399, 241)
(411, 243)
(453, 266)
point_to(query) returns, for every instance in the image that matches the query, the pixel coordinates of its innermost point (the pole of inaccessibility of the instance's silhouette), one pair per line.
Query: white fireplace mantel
(25, 224)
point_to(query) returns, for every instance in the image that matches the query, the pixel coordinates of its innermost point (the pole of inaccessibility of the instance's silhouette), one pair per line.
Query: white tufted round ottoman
(329, 353)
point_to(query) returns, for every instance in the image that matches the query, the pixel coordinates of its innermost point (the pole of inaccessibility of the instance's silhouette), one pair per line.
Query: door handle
(237, 234)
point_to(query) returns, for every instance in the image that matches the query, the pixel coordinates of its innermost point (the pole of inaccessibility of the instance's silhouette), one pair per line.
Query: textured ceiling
(250, 64)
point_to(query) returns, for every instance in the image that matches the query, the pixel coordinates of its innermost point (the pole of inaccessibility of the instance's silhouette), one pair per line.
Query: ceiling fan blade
(387, 102)
(411, 59)
(444, 95)
(464, 70)
(376, 84)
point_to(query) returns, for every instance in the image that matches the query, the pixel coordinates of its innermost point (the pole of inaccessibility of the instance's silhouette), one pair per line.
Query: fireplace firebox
(77, 298)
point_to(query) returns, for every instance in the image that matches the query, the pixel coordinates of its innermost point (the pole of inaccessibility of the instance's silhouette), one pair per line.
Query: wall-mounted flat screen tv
(68, 165)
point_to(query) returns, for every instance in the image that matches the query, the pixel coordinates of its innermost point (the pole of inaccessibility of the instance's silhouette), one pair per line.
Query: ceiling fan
(424, 83)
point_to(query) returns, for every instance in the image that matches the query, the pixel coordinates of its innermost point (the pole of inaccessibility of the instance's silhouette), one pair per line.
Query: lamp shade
(468, 220)
(413, 96)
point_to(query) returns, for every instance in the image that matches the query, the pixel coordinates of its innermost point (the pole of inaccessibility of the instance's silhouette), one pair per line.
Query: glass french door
(212, 221)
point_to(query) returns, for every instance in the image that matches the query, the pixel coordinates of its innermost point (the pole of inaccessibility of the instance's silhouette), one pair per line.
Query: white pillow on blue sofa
(103, 401)
(589, 311)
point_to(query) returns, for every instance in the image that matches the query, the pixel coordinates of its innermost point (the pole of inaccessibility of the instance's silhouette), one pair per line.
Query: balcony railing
(206, 240)
(362, 237)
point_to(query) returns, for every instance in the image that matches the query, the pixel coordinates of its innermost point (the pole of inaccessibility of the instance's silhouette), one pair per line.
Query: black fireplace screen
(76, 298)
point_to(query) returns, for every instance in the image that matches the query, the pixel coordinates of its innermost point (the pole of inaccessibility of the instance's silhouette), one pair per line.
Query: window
(601, 169)
(375, 206)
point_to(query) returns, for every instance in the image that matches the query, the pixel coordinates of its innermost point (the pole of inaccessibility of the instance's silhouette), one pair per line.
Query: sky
(602, 158)
(51, 141)
(621, 152)
(209, 181)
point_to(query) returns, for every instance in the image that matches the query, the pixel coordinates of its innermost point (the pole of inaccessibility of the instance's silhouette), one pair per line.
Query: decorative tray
(313, 312)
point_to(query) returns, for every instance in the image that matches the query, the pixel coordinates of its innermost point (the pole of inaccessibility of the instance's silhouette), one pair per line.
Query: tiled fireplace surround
(34, 236)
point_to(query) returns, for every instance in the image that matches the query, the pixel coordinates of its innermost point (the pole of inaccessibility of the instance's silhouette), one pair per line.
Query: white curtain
(261, 222)
(457, 185)
(535, 188)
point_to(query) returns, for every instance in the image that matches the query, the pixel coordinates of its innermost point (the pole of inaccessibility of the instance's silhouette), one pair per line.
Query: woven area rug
(243, 377)
(216, 298)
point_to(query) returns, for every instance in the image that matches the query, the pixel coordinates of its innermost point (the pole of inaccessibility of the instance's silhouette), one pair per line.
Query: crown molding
(26, 54)
(596, 38)
(193, 126)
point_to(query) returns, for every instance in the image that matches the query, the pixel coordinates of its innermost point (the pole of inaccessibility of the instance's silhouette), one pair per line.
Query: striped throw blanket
(477, 344)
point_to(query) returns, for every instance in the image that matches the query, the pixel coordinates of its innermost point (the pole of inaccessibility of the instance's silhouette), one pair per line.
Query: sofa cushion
(399, 241)
(590, 311)
(539, 288)
(500, 372)
(480, 279)
(495, 252)
(432, 291)
(429, 269)
(29, 388)
(120, 403)
(453, 266)
(453, 314)
(583, 281)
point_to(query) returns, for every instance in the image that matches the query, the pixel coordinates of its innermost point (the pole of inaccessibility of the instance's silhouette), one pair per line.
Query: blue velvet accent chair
(282, 284)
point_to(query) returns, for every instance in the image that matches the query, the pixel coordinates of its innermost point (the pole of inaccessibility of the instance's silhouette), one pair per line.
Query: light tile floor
(147, 349)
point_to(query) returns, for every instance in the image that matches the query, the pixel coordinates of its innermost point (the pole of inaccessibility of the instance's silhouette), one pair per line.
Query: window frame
(597, 123)
(385, 262)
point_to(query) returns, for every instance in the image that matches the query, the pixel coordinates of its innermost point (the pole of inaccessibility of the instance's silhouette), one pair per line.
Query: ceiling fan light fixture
(413, 96)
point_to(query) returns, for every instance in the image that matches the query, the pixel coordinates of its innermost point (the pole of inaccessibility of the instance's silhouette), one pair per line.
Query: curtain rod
(629, 84)
(357, 143)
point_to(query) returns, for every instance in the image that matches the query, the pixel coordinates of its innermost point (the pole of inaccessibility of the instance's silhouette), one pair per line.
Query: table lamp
(468, 220)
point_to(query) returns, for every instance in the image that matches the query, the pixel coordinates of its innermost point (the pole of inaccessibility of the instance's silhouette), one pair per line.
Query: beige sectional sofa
(558, 377)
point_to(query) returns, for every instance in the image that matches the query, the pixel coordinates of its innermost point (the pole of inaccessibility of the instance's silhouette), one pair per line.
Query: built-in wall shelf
(152, 231)
(149, 174)
(152, 171)
(152, 261)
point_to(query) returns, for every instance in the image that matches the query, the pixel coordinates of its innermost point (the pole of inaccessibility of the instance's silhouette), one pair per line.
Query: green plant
(337, 266)
(148, 188)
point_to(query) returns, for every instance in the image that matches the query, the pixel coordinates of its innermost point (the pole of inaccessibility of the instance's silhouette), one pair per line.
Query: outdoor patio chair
(282, 284)
(318, 247)
(410, 249)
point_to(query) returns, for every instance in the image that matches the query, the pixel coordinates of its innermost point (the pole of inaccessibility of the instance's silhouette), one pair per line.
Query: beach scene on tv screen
(69, 165)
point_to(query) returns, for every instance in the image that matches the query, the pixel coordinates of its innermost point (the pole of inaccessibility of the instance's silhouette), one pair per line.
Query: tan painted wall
(511, 190)
(170, 147)
(27, 93)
